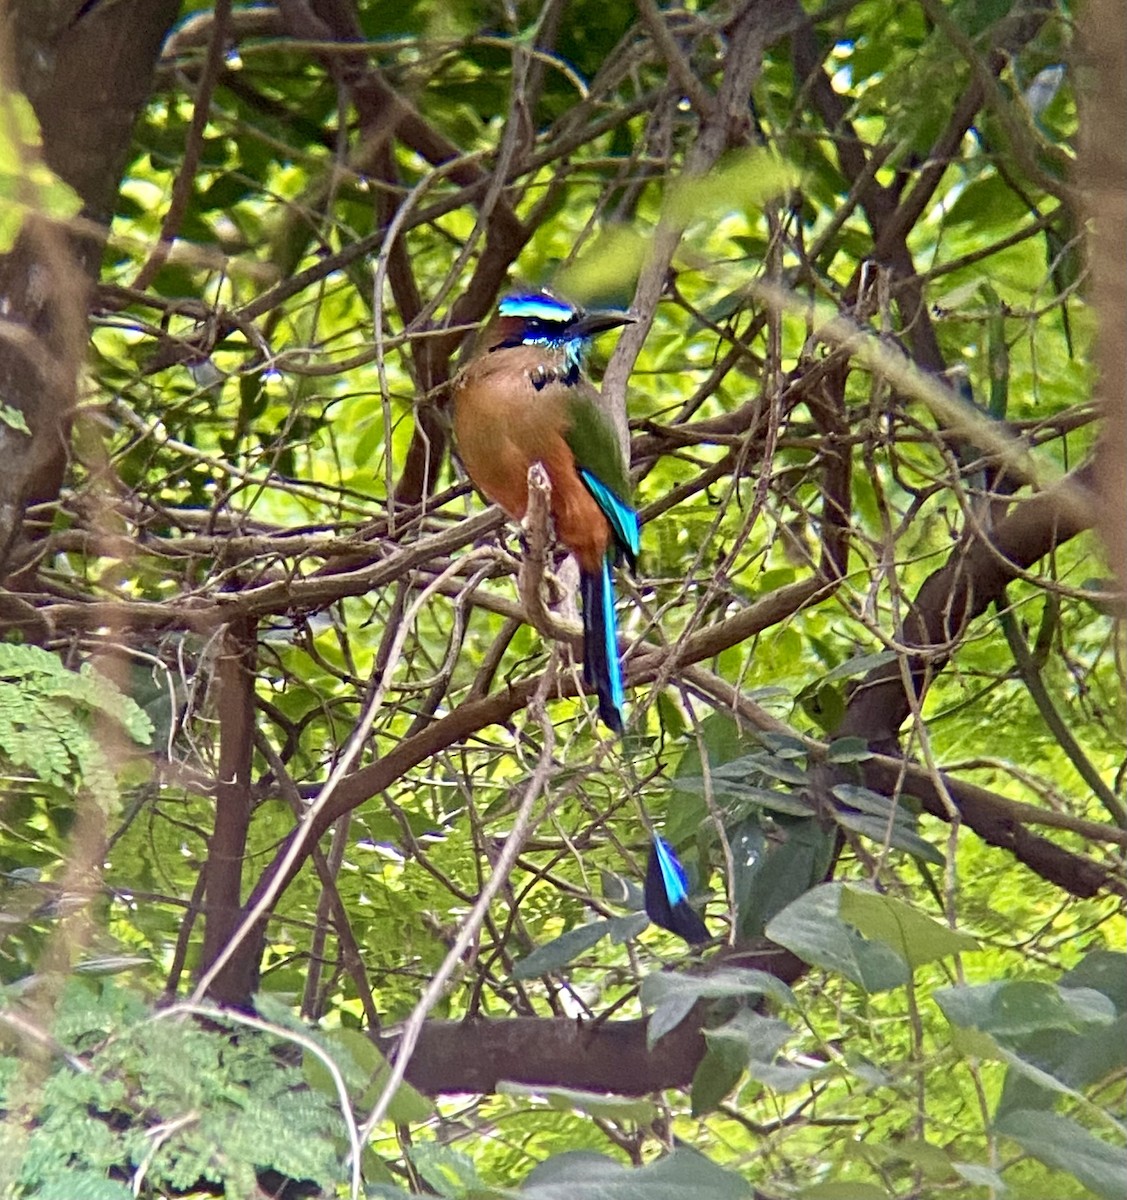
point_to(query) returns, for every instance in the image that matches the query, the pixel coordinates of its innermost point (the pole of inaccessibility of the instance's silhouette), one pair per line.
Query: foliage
(155, 1098)
(875, 669)
(26, 183)
(48, 720)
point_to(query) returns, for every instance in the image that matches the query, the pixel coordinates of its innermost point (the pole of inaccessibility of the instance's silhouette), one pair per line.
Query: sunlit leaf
(915, 937)
(608, 267)
(812, 928)
(744, 179)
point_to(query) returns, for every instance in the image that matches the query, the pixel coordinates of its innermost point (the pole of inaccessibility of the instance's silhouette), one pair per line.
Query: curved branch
(998, 820)
(974, 576)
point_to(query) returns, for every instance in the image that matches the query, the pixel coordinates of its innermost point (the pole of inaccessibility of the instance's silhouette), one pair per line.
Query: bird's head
(541, 319)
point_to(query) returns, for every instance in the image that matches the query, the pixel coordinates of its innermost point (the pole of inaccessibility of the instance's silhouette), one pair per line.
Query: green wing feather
(594, 442)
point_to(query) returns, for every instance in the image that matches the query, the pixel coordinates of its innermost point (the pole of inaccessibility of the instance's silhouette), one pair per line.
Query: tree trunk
(87, 70)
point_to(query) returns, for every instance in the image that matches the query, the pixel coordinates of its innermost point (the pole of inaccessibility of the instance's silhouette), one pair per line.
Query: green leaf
(1103, 970)
(668, 1013)
(672, 995)
(756, 1041)
(892, 834)
(625, 929)
(859, 664)
(980, 1176)
(741, 794)
(13, 418)
(771, 873)
(1014, 1009)
(727, 981)
(783, 1077)
(560, 951)
(848, 750)
(914, 936)
(812, 928)
(1062, 1143)
(757, 1036)
(83, 1185)
(844, 1190)
(780, 768)
(883, 821)
(749, 847)
(785, 745)
(1055, 1040)
(365, 1069)
(867, 801)
(742, 179)
(932, 1160)
(1093, 1054)
(717, 1075)
(683, 1173)
(988, 203)
(27, 184)
(609, 266)
(1047, 1085)
(722, 742)
(617, 889)
(448, 1171)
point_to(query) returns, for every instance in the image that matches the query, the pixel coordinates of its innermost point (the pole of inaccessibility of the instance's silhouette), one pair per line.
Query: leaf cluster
(49, 721)
(862, 398)
(159, 1104)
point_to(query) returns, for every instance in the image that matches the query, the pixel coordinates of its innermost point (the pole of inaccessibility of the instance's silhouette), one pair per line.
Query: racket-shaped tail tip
(667, 898)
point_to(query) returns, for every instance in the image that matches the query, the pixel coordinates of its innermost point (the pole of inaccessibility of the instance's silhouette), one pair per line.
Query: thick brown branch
(1104, 148)
(610, 1056)
(86, 81)
(997, 819)
(227, 845)
(974, 577)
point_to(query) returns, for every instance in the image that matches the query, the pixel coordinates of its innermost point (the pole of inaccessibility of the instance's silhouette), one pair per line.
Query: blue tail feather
(601, 668)
(667, 895)
(623, 519)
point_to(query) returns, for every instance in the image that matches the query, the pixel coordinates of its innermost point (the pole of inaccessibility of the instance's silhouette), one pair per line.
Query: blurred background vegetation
(271, 716)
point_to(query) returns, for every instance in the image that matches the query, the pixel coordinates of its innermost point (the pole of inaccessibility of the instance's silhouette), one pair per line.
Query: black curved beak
(600, 319)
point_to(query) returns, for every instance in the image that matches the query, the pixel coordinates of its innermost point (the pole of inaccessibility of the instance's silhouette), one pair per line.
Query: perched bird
(523, 398)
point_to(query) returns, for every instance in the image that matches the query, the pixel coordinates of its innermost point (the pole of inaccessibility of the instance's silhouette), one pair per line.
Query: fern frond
(48, 717)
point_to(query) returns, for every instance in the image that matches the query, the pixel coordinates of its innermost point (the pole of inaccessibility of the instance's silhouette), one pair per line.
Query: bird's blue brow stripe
(542, 308)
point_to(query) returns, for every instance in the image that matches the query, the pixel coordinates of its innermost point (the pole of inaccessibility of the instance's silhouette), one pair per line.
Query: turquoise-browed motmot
(521, 399)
